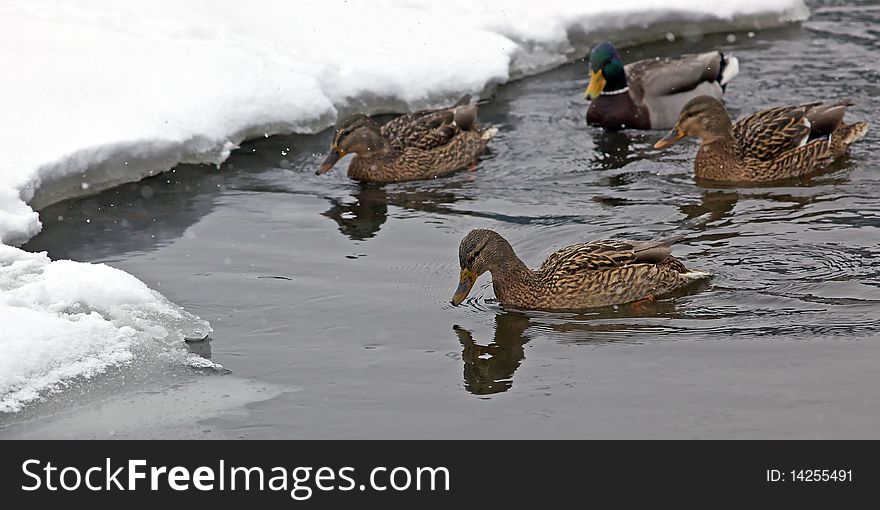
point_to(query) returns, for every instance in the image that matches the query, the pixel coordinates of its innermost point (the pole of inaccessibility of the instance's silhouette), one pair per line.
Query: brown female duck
(774, 144)
(419, 145)
(648, 94)
(586, 275)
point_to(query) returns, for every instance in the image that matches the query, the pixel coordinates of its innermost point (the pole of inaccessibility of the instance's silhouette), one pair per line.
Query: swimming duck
(649, 94)
(586, 275)
(419, 145)
(769, 145)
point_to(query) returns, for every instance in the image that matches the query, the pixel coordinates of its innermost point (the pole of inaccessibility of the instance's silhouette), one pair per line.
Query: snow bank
(61, 320)
(96, 93)
(100, 92)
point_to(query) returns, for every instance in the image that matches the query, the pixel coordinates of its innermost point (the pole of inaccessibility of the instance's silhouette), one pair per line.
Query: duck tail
(656, 251)
(845, 136)
(855, 132)
(489, 133)
(729, 69)
(465, 100)
(664, 242)
(693, 275)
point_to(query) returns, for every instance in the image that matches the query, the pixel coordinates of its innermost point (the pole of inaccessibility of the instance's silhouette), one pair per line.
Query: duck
(649, 94)
(581, 276)
(778, 143)
(419, 145)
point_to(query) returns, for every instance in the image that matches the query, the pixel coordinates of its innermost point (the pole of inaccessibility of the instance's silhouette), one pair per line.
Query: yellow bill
(466, 281)
(673, 136)
(596, 86)
(331, 160)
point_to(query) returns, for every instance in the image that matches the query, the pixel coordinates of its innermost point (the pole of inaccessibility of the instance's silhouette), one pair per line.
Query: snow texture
(100, 92)
(63, 319)
(96, 93)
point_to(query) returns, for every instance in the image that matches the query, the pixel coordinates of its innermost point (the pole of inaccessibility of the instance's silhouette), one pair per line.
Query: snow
(96, 93)
(63, 319)
(101, 92)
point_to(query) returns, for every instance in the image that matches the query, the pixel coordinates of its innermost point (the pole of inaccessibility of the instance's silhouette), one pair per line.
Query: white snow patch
(96, 93)
(104, 92)
(61, 320)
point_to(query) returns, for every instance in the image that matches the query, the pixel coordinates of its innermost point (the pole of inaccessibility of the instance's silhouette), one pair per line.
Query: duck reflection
(714, 205)
(362, 215)
(612, 150)
(362, 218)
(616, 149)
(489, 368)
(718, 204)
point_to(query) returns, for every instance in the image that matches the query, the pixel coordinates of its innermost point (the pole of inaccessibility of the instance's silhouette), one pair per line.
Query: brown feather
(773, 144)
(598, 273)
(423, 145)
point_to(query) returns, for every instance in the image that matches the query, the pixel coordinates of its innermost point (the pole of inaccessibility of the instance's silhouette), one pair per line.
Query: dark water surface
(336, 295)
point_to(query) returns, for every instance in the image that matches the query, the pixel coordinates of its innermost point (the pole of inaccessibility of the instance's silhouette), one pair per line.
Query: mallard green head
(606, 71)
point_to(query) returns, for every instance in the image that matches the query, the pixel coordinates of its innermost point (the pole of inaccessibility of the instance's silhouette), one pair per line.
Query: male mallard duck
(586, 275)
(419, 145)
(774, 144)
(648, 94)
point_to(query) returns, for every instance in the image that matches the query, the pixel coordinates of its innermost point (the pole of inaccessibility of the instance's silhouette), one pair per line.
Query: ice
(63, 319)
(104, 92)
(96, 93)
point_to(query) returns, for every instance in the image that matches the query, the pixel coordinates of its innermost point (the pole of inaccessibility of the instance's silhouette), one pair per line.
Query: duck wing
(606, 254)
(664, 86)
(429, 129)
(667, 76)
(767, 134)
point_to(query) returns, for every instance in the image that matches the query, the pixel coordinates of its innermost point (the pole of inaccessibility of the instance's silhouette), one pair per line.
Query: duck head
(703, 117)
(606, 71)
(358, 134)
(480, 251)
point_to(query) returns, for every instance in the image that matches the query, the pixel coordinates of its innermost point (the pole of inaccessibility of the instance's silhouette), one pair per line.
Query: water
(329, 299)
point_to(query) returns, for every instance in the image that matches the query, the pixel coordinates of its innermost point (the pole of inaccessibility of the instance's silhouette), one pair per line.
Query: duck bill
(465, 284)
(596, 86)
(673, 136)
(331, 160)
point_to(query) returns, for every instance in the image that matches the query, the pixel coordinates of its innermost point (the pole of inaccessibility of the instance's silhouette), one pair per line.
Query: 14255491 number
(821, 475)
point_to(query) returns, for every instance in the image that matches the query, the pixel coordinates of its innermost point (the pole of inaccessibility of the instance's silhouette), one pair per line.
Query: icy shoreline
(63, 319)
(106, 92)
(99, 93)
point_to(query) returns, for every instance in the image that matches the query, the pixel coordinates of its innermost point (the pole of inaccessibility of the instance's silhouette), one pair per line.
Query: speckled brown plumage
(419, 145)
(769, 145)
(586, 275)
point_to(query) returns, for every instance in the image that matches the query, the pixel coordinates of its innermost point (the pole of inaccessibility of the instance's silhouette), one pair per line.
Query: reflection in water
(363, 215)
(612, 150)
(616, 149)
(131, 218)
(793, 261)
(718, 204)
(362, 218)
(489, 368)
